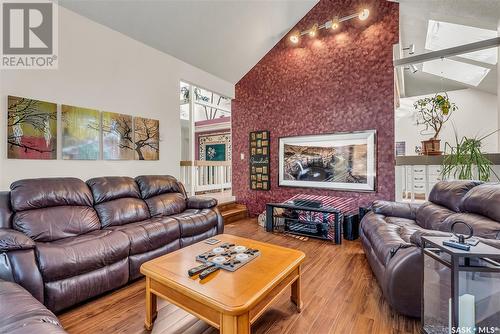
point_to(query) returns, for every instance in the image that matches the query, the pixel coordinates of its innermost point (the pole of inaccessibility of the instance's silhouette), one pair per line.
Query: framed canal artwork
(259, 160)
(340, 161)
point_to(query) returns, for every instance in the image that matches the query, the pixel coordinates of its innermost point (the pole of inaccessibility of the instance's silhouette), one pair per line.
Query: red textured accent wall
(341, 81)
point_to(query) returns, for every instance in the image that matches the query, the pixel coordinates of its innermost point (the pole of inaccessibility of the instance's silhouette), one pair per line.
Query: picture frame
(340, 161)
(259, 161)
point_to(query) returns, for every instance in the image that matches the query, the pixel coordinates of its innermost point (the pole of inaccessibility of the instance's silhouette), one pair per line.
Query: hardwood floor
(339, 292)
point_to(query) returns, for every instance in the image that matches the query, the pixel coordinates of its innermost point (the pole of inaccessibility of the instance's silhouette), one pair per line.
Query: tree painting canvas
(80, 135)
(117, 137)
(31, 129)
(147, 138)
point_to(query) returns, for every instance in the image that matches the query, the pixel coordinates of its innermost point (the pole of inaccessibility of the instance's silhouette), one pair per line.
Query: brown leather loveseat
(66, 241)
(391, 234)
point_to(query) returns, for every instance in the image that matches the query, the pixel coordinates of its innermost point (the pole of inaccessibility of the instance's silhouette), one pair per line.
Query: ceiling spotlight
(412, 68)
(335, 23)
(363, 15)
(294, 38)
(410, 49)
(314, 30)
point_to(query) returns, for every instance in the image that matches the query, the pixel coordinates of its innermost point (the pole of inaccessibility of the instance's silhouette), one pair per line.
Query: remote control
(456, 245)
(208, 271)
(212, 241)
(196, 270)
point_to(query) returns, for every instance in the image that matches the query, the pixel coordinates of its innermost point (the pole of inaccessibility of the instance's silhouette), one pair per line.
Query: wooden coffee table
(229, 301)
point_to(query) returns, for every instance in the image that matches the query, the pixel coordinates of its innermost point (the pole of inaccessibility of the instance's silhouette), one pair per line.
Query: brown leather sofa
(21, 313)
(66, 241)
(391, 234)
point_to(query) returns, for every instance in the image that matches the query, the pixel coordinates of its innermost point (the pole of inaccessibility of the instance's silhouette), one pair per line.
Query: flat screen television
(341, 161)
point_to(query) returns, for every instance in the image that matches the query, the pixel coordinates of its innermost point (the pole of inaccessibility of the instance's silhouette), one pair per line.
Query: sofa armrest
(18, 262)
(395, 209)
(20, 266)
(195, 202)
(402, 285)
(13, 240)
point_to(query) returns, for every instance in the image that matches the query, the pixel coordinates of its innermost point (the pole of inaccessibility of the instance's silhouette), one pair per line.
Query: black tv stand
(303, 220)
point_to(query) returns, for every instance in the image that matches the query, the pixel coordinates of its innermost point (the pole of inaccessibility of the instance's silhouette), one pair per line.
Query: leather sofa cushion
(166, 204)
(385, 238)
(150, 234)
(482, 226)
(20, 311)
(38, 328)
(450, 193)
(135, 261)
(395, 209)
(483, 200)
(108, 188)
(122, 211)
(416, 237)
(186, 241)
(194, 221)
(431, 216)
(407, 227)
(153, 185)
(31, 194)
(53, 223)
(72, 290)
(5, 210)
(84, 253)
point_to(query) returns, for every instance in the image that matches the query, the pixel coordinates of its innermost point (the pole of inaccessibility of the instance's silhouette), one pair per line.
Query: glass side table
(461, 289)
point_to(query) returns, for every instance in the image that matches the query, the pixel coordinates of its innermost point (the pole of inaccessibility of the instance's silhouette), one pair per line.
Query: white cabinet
(416, 175)
(416, 181)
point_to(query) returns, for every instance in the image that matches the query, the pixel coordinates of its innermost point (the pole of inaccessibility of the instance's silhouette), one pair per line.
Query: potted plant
(466, 161)
(433, 113)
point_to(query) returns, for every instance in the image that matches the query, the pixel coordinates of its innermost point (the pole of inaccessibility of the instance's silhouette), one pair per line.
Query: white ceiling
(413, 19)
(223, 37)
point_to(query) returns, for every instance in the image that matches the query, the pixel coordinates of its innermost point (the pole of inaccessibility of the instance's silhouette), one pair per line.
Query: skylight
(443, 35)
(456, 70)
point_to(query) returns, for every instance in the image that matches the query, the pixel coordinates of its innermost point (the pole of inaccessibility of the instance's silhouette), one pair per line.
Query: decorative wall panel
(259, 160)
(31, 129)
(214, 146)
(80, 133)
(147, 138)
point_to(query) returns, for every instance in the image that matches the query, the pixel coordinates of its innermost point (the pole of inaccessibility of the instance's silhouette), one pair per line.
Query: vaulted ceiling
(225, 38)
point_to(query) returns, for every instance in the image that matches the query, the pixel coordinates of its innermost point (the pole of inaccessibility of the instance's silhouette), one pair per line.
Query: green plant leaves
(465, 158)
(433, 112)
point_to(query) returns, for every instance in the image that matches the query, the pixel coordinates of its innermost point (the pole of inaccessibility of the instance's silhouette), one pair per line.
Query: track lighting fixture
(333, 24)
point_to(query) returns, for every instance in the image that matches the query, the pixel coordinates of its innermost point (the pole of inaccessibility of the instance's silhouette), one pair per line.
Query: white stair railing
(201, 176)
